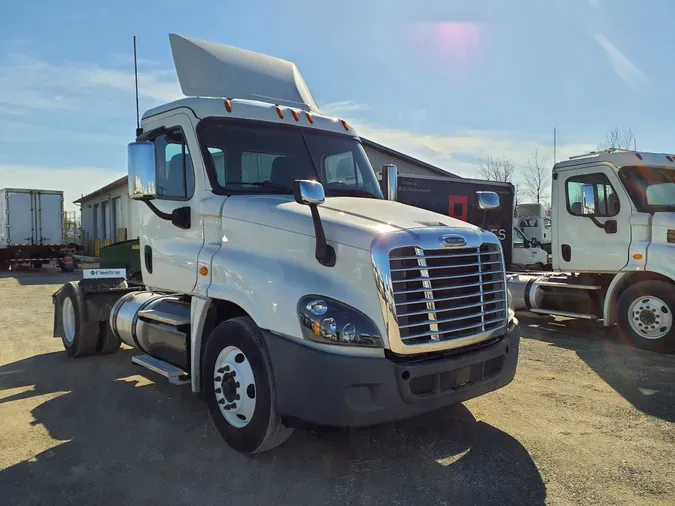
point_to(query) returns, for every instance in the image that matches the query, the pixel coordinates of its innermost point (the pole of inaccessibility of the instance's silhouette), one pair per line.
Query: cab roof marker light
(228, 105)
(344, 124)
(638, 155)
(670, 158)
(280, 113)
(295, 114)
(309, 117)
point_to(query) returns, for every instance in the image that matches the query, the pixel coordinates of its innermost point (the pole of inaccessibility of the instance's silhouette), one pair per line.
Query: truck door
(169, 254)
(21, 217)
(593, 221)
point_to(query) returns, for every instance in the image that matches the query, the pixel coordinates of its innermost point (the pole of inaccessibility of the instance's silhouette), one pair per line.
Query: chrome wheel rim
(68, 320)
(650, 317)
(234, 386)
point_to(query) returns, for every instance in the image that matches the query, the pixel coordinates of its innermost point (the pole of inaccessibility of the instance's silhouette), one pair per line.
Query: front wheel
(646, 315)
(239, 388)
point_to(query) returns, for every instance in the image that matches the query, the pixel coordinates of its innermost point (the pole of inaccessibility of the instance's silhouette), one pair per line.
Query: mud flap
(98, 296)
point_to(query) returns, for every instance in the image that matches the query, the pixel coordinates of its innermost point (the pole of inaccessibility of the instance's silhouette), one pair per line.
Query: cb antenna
(139, 130)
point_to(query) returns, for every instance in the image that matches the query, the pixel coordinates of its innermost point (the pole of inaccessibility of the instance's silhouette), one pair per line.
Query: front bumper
(351, 391)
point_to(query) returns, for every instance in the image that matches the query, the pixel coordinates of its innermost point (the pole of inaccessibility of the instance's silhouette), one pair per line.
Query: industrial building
(106, 212)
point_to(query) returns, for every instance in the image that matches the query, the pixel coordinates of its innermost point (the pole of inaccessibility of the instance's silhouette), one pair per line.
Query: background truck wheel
(239, 388)
(37, 265)
(108, 342)
(80, 337)
(646, 315)
(67, 264)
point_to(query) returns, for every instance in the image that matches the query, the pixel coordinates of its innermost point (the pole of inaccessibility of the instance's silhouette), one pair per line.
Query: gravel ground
(586, 421)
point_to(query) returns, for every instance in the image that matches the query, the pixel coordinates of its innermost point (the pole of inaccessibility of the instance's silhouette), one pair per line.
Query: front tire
(646, 317)
(239, 388)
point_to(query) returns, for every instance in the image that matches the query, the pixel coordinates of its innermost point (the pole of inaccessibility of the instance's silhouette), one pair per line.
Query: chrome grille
(443, 294)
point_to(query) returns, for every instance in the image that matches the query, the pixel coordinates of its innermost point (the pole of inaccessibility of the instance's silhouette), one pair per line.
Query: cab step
(172, 319)
(175, 375)
(553, 312)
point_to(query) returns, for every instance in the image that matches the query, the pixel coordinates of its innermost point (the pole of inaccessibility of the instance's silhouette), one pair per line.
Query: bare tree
(496, 169)
(618, 138)
(537, 178)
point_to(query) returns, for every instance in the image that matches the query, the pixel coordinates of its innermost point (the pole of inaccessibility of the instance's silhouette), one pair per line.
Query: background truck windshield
(651, 188)
(243, 157)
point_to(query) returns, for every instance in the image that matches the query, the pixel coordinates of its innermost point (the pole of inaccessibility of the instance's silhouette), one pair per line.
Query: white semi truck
(613, 246)
(533, 222)
(277, 280)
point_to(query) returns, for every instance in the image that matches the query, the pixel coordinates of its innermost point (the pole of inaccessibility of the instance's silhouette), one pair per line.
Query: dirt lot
(586, 421)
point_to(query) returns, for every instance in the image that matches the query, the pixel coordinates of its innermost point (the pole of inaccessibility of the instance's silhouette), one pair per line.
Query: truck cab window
(175, 174)
(518, 238)
(606, 200)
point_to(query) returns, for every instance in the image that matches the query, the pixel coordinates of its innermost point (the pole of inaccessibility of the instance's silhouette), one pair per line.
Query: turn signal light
(203, 270)
(637, 256)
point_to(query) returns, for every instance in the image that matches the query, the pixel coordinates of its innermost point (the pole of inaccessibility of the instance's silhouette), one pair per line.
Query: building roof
(102, 191)
(407, 158)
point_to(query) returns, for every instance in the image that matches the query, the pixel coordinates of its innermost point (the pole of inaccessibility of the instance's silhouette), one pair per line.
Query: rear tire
(239, 388)
(80, 337)
(646, 316)
(37, 265)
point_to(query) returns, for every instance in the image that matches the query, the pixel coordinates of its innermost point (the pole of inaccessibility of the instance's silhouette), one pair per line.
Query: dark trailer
(456, 197)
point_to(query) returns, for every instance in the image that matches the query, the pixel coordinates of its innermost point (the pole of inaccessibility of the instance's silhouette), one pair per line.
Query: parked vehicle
(527, 254)
(276, 277)
(31, 228)
(532, 220)
(613, 234)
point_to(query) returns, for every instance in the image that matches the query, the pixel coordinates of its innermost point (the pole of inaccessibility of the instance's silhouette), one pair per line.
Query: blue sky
(446, 81)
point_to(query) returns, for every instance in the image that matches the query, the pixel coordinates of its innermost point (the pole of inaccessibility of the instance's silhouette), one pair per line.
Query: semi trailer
(31, 228)
(613, 244)
(277, 278)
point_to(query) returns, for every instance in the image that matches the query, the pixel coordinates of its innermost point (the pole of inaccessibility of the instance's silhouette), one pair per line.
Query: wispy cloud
(29, 84)
(342, 108)
(75, 182)
(623, 67)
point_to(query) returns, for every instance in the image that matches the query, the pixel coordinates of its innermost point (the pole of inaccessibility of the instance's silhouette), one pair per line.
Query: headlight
(512, 310)
(328, 321)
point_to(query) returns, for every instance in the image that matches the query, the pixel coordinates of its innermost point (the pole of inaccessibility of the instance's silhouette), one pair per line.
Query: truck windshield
(652, 189)
(253, 157)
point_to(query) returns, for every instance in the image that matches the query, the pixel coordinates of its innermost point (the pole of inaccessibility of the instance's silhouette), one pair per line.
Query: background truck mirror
(141, 168)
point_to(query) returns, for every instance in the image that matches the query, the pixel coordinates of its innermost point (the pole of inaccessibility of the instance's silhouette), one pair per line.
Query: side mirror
(588, 202)
(527, 244)
(488, 200)
(311, 193)
(390, 181)
(308, 192)
(141, 169)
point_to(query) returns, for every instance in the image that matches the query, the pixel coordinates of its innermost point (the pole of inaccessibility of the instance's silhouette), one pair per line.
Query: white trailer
(31, 226)
(276, 277)
(613, 241)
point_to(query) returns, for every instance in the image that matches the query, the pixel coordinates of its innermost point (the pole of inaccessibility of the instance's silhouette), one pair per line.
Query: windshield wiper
(263, 184)
(357, 192)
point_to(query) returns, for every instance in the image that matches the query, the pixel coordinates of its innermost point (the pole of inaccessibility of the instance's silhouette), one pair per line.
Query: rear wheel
(109, 342)
(37, 265)
(646, 315)
(239, 388)
(79, 336)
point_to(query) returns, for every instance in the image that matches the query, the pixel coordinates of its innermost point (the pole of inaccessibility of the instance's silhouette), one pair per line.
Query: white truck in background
(31, 228)
(532, 221)
(528, 254)
(277, 280)
(613, 245)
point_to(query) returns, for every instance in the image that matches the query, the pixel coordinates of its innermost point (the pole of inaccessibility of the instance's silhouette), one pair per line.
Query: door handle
(148, 258)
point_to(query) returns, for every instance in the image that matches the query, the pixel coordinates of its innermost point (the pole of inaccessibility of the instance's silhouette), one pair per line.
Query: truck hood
(346, 220)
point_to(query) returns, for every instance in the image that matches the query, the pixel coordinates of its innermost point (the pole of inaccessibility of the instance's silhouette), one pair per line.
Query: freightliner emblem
(453, 241)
